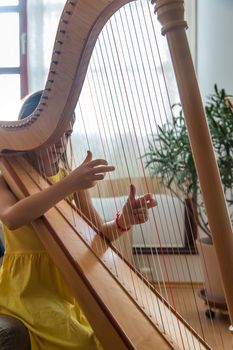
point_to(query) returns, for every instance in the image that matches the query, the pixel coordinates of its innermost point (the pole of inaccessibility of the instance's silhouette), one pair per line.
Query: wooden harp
(126, 319)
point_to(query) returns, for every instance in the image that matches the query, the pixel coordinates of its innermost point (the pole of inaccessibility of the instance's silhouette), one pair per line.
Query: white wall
(215, 45)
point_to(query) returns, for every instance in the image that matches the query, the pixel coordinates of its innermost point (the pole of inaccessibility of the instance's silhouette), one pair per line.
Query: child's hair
(30, 102)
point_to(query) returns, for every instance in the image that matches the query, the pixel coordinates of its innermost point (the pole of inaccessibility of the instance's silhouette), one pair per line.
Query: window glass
(9, 39)
(9, 2)
(10, 96)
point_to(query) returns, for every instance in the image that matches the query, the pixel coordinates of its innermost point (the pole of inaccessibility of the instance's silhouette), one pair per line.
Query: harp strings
(164, 111)
(118, 271)
(148, 64)
(101, 50)
(143, 77)
(136, 288)
(120, 123)
(129, 109)
(184, 300)
(134, 131)
(117, 106)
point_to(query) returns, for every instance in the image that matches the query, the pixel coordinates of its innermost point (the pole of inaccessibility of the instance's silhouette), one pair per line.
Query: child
(31, 287)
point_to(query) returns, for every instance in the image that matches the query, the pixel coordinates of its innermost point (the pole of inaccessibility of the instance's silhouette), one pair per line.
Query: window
(13, 58)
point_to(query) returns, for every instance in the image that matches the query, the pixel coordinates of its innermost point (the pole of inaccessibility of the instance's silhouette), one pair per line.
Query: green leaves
(169, 153)
(170, 158)
(220, 118)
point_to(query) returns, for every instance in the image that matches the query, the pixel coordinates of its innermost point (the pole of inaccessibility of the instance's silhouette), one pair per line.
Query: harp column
(171, 15)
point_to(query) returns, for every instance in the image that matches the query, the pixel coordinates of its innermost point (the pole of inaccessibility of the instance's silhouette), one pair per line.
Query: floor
(192, 308)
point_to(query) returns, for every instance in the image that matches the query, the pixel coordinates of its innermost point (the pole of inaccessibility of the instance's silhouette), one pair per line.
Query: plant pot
(211, 271)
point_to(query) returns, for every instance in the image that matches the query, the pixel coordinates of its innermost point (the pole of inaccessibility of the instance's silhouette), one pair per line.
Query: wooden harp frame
(80, 25)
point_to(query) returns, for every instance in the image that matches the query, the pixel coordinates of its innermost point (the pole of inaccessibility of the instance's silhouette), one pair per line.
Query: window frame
(22, 70)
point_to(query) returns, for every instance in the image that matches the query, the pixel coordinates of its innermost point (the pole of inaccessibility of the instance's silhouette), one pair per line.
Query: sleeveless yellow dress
(33, 290)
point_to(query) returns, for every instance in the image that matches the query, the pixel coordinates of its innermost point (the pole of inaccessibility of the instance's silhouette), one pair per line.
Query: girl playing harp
(31, 287)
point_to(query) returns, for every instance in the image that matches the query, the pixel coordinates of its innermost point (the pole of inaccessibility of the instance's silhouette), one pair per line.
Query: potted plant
(169, 157)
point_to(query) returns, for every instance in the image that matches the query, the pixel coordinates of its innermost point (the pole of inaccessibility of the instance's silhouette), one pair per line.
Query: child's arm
(15, 213)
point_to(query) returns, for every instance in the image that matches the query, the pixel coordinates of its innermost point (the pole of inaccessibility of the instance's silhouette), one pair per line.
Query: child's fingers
(140, 211)
(98, 177)
(146, 201)
(141, 202)
(132, 192)
(88, 157)
(97, 162)
(140, 215)
(151, 203)
(103, 169)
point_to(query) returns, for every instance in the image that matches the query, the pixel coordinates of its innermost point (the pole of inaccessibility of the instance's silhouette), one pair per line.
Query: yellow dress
(33, 290)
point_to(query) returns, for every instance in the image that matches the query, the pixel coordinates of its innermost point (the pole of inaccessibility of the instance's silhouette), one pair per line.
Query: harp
(144, 320)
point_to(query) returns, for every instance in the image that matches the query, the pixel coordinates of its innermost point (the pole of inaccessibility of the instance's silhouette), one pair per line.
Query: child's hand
(88, 173)
(135, 210)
